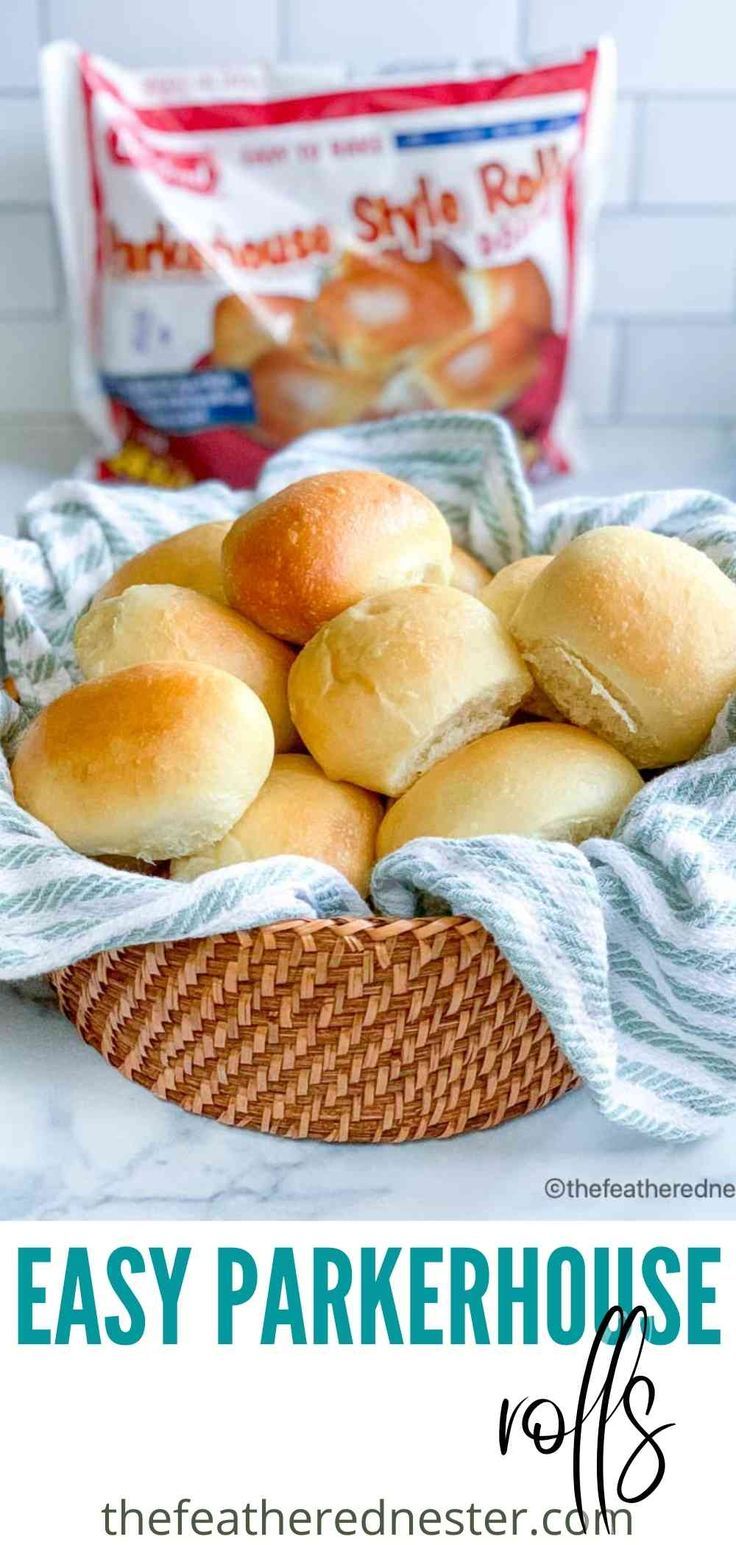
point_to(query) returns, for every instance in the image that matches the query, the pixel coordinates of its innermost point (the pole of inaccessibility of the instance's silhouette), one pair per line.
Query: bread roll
(295, 392)
(246, 327)
(516, 290)
(299, 811)
(468, 573)
(503, 595)
(532, 780)
(633, 635)
(166, 622)
(192, 559)
(373, 313)
(507, 587)
(324, 543)
(151, 762)
(400, 680)
(476, 370)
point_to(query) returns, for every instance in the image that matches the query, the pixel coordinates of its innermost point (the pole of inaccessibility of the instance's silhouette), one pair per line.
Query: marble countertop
(78, 1141)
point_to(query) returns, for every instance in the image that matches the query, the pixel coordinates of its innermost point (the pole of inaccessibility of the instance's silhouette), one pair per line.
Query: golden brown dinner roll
(468, 573)
(534, 780)
(299, 811)
(516, 290)
(167, 622)
(324, 543)
(372, 313)
(294, 392)
(192, 559)
(633, 635)
(474, 369)
(507, 587)
(503, 595)
(400, 680)
(152, 762)
(246, 326)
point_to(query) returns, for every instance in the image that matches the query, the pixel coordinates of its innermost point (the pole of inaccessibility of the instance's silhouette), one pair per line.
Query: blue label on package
(474, 132)
(180, 403)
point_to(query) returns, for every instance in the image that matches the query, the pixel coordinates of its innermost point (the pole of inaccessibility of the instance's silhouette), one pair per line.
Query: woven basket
(350, 1030)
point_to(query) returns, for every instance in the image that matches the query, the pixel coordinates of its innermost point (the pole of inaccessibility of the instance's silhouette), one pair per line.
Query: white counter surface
(78, 1141)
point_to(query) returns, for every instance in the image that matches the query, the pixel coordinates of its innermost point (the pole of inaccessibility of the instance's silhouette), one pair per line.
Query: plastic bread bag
(255, 252)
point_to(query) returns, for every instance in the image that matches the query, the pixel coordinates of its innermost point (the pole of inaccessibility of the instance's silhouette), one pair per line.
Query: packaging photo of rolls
(307, 247)
(368, 756)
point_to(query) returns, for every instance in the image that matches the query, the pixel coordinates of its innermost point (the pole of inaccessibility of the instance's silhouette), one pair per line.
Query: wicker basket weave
(350, 1030)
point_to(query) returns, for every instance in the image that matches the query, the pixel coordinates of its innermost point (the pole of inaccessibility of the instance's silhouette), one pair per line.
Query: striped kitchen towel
(628, 945)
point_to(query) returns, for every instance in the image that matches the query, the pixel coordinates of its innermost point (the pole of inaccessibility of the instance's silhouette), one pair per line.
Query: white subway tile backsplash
(28, 278)
(687, 152)
(659, 265)
(23, 176)
(643, 454)
(20, 40)
(664, 45)
(680, 371)
(169, 33)
(34, 378)
(387, 30)
(621, 167)
(594, 375)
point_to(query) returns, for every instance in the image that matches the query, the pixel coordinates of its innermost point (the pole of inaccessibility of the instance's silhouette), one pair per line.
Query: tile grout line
(44, 21)
(705, 319)
(14, 206)
(283, 30)
(20, 316)
(666, 211)
(620, 359)
(676, 94)
(522, 28)
(638, 152)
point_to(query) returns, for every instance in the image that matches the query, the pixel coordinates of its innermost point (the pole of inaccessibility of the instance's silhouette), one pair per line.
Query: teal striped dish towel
(628, 945)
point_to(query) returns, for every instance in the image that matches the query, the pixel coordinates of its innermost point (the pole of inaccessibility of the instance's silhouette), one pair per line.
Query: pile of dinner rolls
(329, 677)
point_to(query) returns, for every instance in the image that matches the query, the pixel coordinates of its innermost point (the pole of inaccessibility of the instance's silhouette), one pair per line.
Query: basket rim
(347, 923)
(344, 926)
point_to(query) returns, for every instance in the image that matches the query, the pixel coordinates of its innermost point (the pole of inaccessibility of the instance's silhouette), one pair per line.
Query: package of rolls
(323, 679)
(259, 251)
